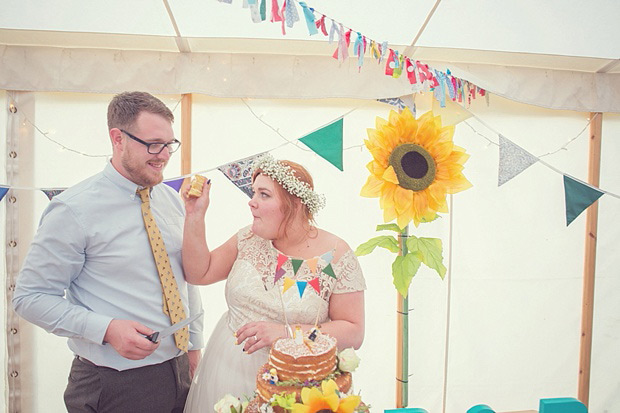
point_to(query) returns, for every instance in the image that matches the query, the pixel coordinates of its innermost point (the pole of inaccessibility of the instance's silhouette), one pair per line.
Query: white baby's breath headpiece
(285, 177)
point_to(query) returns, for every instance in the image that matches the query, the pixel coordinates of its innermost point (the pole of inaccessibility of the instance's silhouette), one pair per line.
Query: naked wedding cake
(309, 360)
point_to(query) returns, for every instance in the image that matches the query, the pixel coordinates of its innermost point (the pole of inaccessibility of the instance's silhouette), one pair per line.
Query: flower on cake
(347, 360)
(230, 404)
(415, 164)
(328, 398)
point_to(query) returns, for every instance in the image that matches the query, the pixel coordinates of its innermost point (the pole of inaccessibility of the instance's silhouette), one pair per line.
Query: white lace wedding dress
(252, 295)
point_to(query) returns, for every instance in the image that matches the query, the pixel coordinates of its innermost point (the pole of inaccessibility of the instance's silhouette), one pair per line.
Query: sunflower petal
(402, 199)
(372, 187)
(390, 175)
(300, 408)
(328, 387)
(348, 404)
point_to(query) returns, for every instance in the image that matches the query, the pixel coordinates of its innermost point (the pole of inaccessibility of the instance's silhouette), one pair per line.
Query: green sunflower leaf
(389, 227)
(403, 270)
(383, 241)
(429, 251)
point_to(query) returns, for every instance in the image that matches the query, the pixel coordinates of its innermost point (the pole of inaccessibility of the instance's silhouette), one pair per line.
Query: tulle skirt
(224, 369)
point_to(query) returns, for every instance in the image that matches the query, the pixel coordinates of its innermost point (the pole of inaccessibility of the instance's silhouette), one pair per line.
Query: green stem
(405, 326)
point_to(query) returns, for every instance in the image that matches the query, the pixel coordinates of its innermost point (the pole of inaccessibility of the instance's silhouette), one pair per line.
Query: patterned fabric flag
(51, 193)
(175, 184)
(578, 197)
(512, 160)
(240, 173)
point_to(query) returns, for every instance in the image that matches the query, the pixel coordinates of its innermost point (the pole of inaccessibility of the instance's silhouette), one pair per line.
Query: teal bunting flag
(578, 197)
(327, 143)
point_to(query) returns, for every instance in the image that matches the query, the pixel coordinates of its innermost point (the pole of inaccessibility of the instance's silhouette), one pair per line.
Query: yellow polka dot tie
(172, 304)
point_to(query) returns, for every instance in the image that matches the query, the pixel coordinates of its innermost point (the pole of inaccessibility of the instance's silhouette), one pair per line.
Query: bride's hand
(196, 205)
(259, 334)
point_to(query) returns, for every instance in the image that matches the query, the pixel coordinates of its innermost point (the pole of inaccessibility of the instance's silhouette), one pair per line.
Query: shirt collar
(124, 184)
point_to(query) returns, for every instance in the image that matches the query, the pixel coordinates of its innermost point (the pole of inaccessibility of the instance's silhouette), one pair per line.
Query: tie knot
(144, 194)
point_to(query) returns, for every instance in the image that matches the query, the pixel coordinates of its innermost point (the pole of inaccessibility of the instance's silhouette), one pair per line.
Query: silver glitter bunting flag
(512, 160)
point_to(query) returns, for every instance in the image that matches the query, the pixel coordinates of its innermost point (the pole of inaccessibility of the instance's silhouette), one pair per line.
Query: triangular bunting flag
(314, 283)
(3, 191)
(578, 197)
(512, 160)
(51, 193)
(279, 273)
(296, 264)
(327, 143)
(312, 264)
(301, 286)
(288, 283)
(281, 260)
(175, 184)
(329, 271)
(240, 173)
(328, 256)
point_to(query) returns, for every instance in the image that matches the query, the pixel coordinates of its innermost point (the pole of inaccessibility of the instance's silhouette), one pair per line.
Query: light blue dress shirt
(91, 262)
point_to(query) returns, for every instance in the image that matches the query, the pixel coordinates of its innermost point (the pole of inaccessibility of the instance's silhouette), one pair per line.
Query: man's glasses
(155, 148)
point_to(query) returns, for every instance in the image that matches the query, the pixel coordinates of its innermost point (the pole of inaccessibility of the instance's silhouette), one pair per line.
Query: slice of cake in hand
(195, 188)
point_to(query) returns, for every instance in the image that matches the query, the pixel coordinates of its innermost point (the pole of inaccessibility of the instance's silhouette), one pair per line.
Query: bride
(282, 247)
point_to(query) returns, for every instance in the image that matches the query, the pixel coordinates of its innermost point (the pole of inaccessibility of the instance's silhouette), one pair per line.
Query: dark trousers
(158, 388)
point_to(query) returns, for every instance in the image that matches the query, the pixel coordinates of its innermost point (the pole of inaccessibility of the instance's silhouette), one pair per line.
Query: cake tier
(265, 389)
(293, 361)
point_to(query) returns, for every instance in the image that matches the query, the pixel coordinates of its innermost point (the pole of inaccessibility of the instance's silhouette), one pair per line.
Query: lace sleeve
(349, 273)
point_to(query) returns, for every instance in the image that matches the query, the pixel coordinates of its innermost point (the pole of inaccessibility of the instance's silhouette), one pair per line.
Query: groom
(91, 274)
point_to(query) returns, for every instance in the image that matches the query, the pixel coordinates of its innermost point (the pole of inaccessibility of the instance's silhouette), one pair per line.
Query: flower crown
(285, 177)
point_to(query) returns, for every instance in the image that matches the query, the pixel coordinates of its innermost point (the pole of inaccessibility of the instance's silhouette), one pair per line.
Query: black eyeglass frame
(169, 145)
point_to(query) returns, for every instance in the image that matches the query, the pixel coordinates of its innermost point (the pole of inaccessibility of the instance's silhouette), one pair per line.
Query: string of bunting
(295, 264)
(439, 82)
(327, 141)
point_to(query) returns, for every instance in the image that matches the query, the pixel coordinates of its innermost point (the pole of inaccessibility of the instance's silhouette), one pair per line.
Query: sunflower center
(414, 166)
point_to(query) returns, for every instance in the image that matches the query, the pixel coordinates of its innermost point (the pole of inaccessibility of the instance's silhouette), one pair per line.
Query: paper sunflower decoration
(326, 399)
(415, 164)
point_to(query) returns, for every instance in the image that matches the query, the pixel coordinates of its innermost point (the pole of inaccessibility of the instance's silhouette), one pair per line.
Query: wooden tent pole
(186, 133)
(594, 171)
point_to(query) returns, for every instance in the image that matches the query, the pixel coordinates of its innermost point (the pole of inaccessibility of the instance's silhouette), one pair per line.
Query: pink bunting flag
(314, 283)
(410, 71)
(281, 260)
(390, 64)
(320, 24)
(275, 11)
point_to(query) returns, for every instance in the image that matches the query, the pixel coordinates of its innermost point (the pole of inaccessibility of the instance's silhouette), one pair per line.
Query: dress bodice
(255, 293)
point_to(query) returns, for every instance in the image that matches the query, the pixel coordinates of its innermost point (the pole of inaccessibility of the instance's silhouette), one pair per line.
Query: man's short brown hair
(125, 107)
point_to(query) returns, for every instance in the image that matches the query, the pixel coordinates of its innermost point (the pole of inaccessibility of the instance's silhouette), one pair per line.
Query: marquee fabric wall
(501, 329)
